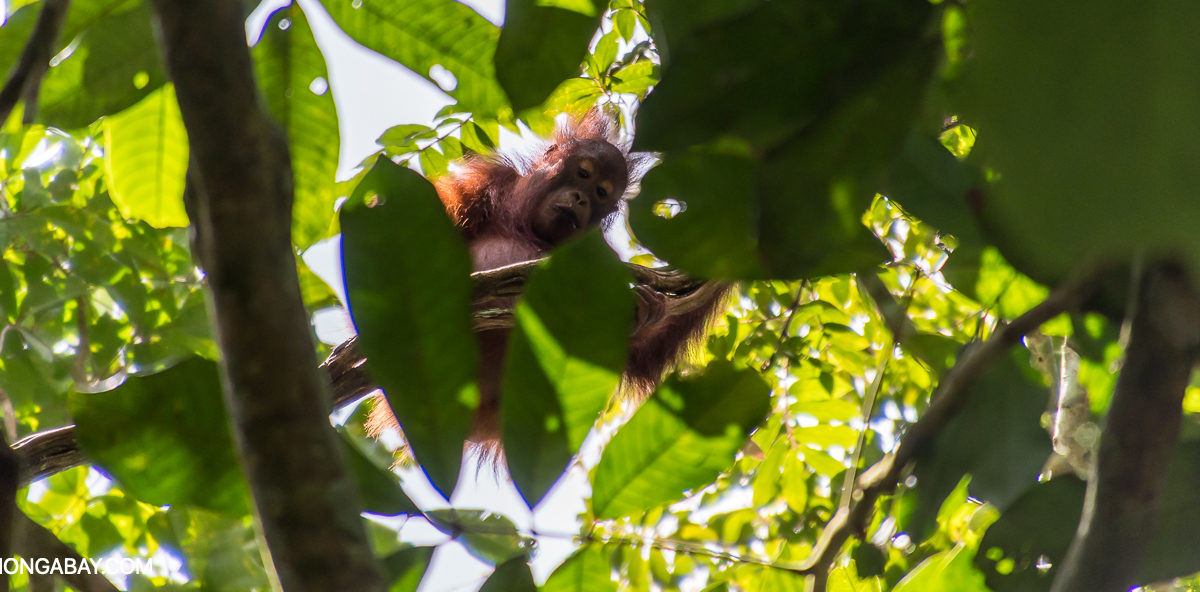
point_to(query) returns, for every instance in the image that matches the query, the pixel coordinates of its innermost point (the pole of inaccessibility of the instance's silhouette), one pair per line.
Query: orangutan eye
(583, 174)
(601, 192)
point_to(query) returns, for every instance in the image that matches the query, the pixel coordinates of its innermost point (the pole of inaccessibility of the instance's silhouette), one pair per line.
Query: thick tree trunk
(240, 204)
(1129, 472)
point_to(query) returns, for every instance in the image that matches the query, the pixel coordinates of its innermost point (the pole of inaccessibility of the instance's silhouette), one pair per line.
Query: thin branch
(784, 332)
(35, 57)
(35, 540)
(951, 392)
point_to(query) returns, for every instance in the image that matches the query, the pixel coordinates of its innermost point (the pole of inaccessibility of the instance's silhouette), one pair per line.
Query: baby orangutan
(509, 213)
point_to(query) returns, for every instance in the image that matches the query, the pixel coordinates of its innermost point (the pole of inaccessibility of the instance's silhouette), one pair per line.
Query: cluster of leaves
(781, 126)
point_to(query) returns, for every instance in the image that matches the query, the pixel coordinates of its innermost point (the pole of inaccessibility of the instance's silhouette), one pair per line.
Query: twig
(35, 57)
(951, 392)
(786, 329)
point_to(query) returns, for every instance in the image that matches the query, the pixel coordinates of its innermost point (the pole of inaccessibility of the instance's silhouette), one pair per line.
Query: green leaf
(377, 488)
(422, 34)
(1041, 525)
(539, 47)
(220, 551)
(433, 163)
(1173, 553)
(147, 160)
(476, 139)
(778, 580)
(405, 568)
(824, 436)
(165, 438)
(869, 560)
(576, 95)
(586, 570)
(688, 215)
(605, 54)
(635, 78)
(766, 484)
(1038, 525)
(681, 438)
(511, 576)
(795, 483)
(291, 72)
(948, 571)
(490, 537)
(115, 64)
(929, 182)
(778, 54)
(405, 136)
(822, 134)
(1078, 177)
(996, 437)
(625, 23)
(407, 280)
(565, 358)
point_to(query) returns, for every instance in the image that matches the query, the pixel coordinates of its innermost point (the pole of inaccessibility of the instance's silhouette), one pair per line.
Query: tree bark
(1129, 472)
(240, 204)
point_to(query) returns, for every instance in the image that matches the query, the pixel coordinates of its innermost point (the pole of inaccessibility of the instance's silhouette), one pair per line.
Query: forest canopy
(958, 355)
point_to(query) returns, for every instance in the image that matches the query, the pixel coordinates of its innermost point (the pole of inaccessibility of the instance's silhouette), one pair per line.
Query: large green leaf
(700, 212)
(408, 282)
(292, 74)
(377, 488)
(681, 438)
(422, 34)
(817, 144)
(511, 576)
(17, 28)
(1038, 526)
(948, 571)
(165, 437)
(220, 551)
(1041, 525)
(147, 160)
(586, 570)
(996, 437)
(405, 568)
(488, 536)
(767, 70)
(1084, 110)
(936, 187)
(115, 64)
(1173, 552)
(81, 16)
(540, 46)
(565, 358)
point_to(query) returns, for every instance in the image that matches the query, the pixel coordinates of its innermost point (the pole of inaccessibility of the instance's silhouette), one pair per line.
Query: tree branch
(9, 470)
(35, 57)
(52, 451)
(241, 205)
(1129, 473)
(36, 541)
(951, 392)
